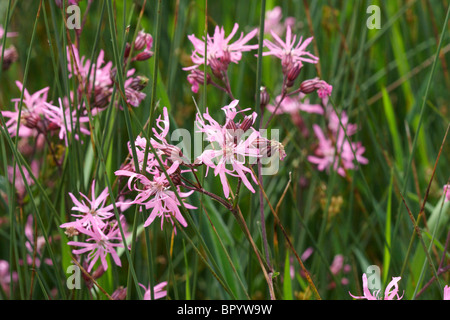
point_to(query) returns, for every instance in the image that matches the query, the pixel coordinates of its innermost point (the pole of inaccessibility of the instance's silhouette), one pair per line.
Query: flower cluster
(149, 180)
(97, 222)
(335, 150)
(97, 79)
(231, 144)
(156, 176)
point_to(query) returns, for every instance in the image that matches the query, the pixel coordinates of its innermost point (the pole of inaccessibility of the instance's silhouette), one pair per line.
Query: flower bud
(140, 41)
(144, 55)
(9, 57)
(247, 123)
(127, 50)
(119, 294)
(293, 74)
(309, 86)
(264, 97)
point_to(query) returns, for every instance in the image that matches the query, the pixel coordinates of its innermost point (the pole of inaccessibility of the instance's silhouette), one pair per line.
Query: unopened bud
(127, 50)
(264, 97)
(309, 86)
(140, 41)
(144, 55)
(218, 66)
(143, 40)
(231, 125)
(247, 123)
(293, 74)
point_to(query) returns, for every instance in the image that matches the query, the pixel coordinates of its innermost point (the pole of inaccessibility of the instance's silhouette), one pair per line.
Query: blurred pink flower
(336, 151)
(447, 292)
(390, 293)
(158, 291)
(31, 114)
(9, 34)
(337, 267)
(5, 277)
(98, 79)
(61, 118)
(272, 21)
(40, 243)
(292, 105)
(19, 183)
(447, 192)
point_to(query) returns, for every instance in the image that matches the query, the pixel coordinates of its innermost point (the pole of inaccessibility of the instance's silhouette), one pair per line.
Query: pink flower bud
(293, 74)
(142, 56)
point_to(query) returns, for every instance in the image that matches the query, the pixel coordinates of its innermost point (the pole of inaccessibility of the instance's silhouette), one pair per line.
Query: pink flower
(158, 291)
(336, 123)
(99, 243)
(338, 266)
(62, 119)
(19, 183)
(31, 115)
(144, 41)
(220, 52)
(336, 151)
(228, 147)
(8, 35)
(390, 293)
(272, 21)
(323, 89)
(101, 79)
(93, 212)
(5, 277)
(447, 293)
(154, 190)
(31, 246)
(289, 54)
(155, 194)
(292, 105)
(447, 192)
